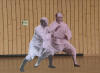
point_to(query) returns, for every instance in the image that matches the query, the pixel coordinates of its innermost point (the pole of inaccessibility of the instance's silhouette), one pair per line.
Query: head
(44, 21)
(59, 17)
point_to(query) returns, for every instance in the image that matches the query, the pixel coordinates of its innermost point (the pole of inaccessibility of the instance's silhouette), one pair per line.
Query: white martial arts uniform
(36, 44)
(40, 43)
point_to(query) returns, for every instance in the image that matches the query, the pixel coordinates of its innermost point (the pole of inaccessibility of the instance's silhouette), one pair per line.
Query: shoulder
(64, 24)
(37, 29)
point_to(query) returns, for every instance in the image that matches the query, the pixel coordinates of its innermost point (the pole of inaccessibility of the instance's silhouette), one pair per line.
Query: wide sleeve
(47, 35)
(37, 34)
(68, 32)
(52, 27)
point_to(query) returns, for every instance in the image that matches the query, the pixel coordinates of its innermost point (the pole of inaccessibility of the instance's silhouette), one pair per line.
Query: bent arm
(68, 33)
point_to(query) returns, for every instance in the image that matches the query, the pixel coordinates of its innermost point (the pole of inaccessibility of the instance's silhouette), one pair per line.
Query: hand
(66, 37)
(52, 36)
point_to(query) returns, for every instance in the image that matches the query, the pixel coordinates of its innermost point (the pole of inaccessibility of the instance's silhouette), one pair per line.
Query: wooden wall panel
(18, 23)
(96, 26)
(43, 8)
(1, 28)
(99, 18)
(47, 9)
(80, 27)
(55, 8)
(76, 30)
(64, 9)
(82, 17)
(99, 25)
(51, 10)
(88, 27)
(5, 23)
(85, 26)
(27, 34)
(92, 27)
(72, 21)
(14, 50)
(22, 12)
(39, 8)
(10, 40)
(31, 14)
(68, 3)
(35, 11)
(59, 5)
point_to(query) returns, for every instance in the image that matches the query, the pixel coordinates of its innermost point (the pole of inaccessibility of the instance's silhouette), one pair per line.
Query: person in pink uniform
(61, 35)
(59, 40)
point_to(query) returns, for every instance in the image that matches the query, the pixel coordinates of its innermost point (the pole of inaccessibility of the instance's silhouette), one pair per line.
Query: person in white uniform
(37, 45)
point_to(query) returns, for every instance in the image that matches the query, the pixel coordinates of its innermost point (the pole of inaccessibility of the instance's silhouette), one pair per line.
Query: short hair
(44, 19)
(58, 13)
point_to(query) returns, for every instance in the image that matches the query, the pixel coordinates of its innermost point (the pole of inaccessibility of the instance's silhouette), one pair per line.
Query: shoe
(76, 65)
(21, 69)
(51, 66)
(36, 65)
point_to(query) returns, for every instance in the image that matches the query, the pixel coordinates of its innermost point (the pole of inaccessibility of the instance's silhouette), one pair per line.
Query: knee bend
(28, 58)
(73, 52)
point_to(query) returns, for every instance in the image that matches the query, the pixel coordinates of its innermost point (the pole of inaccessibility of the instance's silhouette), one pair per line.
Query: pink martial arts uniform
(59, 41)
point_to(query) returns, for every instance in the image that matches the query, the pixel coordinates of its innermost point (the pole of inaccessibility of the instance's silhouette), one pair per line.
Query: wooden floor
(63, 64)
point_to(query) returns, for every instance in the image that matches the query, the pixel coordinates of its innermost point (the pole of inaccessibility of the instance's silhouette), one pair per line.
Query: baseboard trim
(22, 55)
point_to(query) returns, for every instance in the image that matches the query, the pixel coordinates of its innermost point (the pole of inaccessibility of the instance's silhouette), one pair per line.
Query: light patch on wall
(25, 22)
